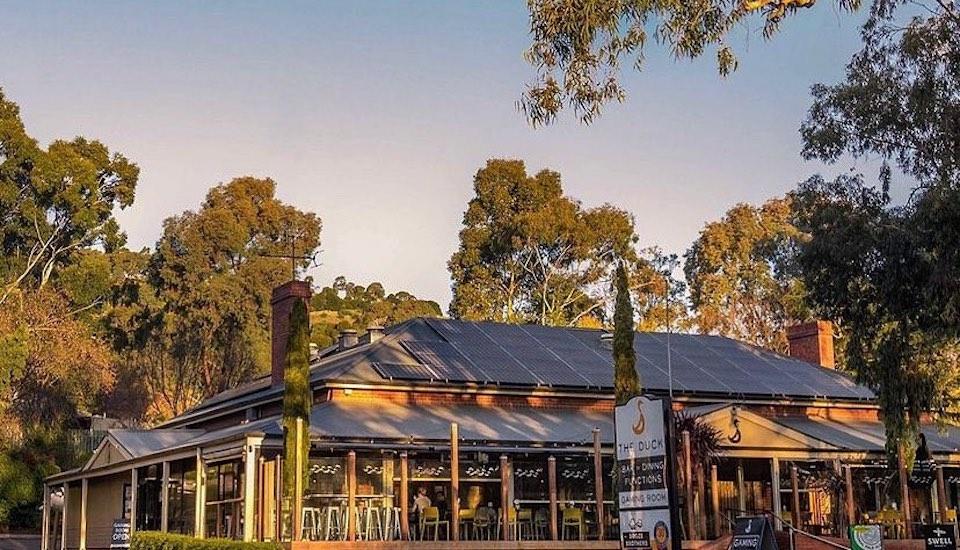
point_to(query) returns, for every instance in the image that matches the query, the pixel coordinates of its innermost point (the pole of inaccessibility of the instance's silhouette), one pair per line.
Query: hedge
(150, 540)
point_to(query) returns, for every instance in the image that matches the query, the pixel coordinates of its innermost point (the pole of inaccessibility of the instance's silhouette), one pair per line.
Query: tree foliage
(201, 316)
(577, 46)
(530, 254)
(55, 202)
(346, 305)
(891, 273)
(899, 98)
(297, 398)
(742, 275)
(626, 380)
(888, 275)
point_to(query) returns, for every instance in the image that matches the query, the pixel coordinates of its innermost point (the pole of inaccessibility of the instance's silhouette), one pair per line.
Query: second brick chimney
(281, 304)
(812, 342)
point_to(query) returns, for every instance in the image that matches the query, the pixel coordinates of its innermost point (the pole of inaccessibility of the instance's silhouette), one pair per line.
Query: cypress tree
(296, 399)
(626, 381)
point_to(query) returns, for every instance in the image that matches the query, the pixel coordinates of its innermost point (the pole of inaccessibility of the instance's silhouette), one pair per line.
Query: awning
(381, 420)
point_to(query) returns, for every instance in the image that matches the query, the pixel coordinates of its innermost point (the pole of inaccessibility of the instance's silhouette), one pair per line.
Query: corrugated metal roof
(445, 351)
(144, 442)
(359, 420)
(861, 435)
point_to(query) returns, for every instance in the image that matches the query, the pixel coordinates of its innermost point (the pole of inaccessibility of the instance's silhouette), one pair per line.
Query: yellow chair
(466, 520)
(431, 518)
(572, 519)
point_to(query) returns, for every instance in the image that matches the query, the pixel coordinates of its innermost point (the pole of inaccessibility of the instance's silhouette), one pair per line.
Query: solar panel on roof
(444, 360)
(404, 371)
(542, 363)
(532, 354)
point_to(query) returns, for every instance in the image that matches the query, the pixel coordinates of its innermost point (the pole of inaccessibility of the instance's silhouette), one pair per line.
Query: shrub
(150, 540)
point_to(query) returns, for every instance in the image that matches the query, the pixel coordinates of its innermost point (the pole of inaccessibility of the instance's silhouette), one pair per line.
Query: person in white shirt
(421, 501)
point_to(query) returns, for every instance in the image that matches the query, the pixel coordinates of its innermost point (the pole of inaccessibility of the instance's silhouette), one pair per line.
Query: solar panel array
(548, 356)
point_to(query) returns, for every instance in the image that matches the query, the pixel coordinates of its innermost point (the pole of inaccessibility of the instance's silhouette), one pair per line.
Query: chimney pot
(812, 342)
(374, 333)
(348, 339)
(281, 304)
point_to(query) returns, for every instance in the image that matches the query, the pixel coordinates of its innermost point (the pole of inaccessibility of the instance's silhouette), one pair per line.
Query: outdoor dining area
(430, 495)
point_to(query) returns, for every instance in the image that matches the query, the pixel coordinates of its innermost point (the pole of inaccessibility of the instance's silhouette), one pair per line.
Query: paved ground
(19, 542)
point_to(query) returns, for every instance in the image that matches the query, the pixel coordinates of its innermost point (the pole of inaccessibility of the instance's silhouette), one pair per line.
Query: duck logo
(736, 436)
(640, 423)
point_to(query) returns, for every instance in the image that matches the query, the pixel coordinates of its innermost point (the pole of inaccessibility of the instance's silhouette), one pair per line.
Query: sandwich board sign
(939, 537)
(120, 538)
(645, 475)
(753, 533)
(866, 537)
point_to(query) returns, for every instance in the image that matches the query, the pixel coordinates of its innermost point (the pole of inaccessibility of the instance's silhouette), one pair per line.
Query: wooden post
(941, 494)
(296, 499)
(84, 490)
(795, 488)
(404, 496)
(775, 492)
(688, 484)
(164, 495)
(701, 501)
(134, 483)
(249, 490)
(278, 492)
(352, 496)
(454, 481)
(741, 489)
(199, 496)
(904, 493)
(262, 499)
(851, 503)
(598, 483)
(504, 498)
(715, 501)
(64, 516)
(552, 488)
(45, 520)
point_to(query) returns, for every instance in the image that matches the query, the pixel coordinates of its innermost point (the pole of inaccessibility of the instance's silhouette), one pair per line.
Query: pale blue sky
(376, 115)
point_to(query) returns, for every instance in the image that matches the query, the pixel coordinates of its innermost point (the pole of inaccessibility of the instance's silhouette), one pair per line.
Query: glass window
(148, 497)
(181, 496)
(225, 500)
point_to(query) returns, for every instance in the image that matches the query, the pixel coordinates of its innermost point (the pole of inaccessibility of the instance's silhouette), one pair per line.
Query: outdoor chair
(523, 524)
(572, 519)
(483, 521)
(431, 518)
(466, 521)
(541, 523)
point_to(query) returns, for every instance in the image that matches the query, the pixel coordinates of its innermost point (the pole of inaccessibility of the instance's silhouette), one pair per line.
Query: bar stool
(372, 523)
(392, 522)
(310, 519)
(334, 523)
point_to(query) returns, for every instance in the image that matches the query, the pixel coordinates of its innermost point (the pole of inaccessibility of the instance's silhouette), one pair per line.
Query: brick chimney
(812, 342)
(281, 304)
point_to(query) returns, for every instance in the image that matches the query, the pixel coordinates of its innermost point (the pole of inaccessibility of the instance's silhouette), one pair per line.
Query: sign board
(939, 537)
(645, 485)
(866, 537)
(121, 534)
(753, 533)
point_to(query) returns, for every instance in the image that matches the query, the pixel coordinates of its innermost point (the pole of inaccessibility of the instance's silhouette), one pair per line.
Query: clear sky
(376, 115)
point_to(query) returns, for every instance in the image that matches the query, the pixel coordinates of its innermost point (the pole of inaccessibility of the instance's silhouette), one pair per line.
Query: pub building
(437, 429)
